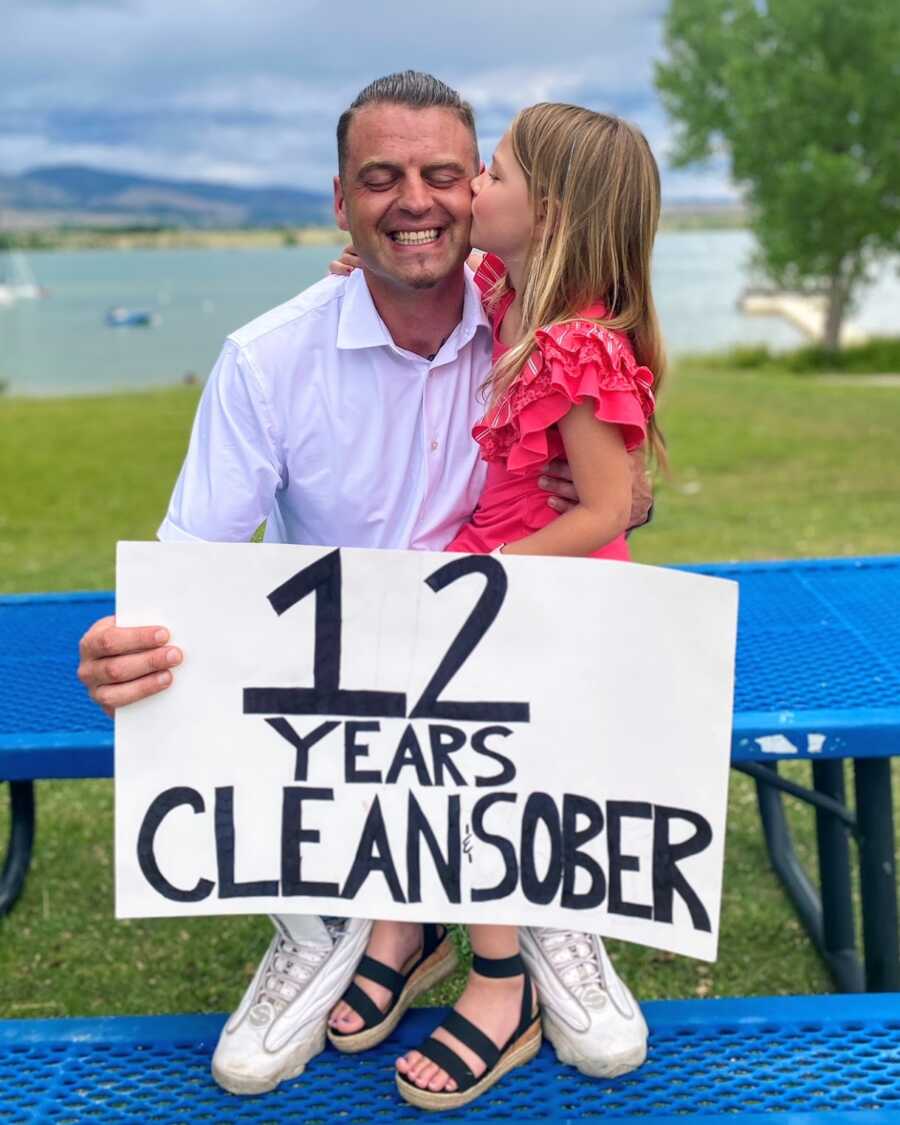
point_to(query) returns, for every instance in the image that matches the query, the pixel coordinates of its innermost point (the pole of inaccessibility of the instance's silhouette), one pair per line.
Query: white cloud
(250, 93)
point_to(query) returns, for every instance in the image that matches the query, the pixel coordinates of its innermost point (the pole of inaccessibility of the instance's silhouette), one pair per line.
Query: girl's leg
(492, 1004)
(393, 943)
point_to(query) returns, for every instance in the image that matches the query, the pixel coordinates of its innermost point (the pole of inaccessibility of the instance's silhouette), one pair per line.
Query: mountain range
(80, 196)
(69, 195)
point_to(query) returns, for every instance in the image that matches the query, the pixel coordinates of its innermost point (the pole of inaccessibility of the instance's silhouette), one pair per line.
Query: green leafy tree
(804, 95)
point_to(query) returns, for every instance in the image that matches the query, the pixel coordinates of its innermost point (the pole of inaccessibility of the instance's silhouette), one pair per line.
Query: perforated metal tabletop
(48, 725)
(828, 1058)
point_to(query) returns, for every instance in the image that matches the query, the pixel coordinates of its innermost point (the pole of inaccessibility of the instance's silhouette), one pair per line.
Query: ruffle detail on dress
(572, 362)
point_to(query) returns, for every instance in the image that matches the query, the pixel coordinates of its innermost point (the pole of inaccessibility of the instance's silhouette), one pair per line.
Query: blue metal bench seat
(818, 679)
(798, 1060)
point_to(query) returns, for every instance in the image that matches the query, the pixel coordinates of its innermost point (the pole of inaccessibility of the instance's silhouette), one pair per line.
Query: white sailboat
(17, 281)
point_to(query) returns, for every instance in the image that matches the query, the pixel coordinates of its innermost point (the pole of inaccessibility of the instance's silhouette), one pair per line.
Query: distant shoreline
(171, 238)
(270, 238)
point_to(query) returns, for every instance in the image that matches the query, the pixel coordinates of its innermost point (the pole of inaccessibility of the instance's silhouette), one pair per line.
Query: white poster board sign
(431, 737)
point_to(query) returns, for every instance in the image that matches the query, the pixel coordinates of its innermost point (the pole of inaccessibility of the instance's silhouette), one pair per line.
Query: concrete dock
(805, 312)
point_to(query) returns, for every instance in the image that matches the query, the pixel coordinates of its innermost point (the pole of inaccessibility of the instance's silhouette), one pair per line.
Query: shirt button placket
(432, 447)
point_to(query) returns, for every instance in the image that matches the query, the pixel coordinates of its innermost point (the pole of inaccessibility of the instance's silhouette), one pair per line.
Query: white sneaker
(589, 1014)
(281, 1021)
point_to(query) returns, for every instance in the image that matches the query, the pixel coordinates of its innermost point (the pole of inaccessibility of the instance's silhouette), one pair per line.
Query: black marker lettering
(325, 697)
(293, 836)
(444, 742)
(373, 854)
(354, 750)
(666, 856)
(575, 805)
(301, 743)
(541, 807)
(431, 706)
(616, 812)
(225, 849)
(159, 809)
(508, 772)
(510, 880)
(447, 865)
(409, 753)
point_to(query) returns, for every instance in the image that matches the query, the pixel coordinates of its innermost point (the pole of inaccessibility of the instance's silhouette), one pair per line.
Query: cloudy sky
(249, 92)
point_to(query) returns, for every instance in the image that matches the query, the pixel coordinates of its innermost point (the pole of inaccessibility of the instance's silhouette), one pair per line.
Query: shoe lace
(291, 965)
(575, 958)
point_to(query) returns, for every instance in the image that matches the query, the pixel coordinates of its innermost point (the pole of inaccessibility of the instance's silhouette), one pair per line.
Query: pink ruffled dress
(573, 362)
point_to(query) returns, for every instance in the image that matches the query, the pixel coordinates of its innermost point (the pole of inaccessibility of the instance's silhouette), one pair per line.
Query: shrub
(879, 355)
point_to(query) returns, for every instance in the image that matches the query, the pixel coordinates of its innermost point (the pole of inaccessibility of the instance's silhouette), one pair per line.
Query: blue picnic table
(817, 679)
(793, 1060)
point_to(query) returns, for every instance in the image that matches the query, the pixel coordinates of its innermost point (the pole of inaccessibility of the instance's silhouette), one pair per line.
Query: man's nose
(416, 195)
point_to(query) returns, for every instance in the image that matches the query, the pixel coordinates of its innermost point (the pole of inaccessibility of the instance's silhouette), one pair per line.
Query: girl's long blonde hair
(594, 187)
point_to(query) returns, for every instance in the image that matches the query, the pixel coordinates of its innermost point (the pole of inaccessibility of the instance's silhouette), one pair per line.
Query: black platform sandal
(522, 1045)
(435, 961)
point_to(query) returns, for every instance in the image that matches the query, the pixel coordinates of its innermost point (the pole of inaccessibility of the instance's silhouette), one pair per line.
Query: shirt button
(434, 446)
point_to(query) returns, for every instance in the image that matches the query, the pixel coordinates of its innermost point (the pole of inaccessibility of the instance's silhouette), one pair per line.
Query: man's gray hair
(411, 88)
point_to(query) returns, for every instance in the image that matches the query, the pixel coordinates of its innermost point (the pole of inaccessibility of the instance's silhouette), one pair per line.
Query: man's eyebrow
(440, 165)
(378, 166)
(445, 166)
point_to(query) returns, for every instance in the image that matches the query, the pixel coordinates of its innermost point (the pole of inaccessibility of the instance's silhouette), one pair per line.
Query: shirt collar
(473, 316)
(360, 326)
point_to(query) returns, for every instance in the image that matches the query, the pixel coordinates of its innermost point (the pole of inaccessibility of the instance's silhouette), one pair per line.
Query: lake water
(62, 344)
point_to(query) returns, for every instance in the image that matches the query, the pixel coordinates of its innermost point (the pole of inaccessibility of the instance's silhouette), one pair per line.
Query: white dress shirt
(315, 421)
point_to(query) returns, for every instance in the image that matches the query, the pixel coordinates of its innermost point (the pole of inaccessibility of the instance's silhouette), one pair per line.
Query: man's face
(405, 196)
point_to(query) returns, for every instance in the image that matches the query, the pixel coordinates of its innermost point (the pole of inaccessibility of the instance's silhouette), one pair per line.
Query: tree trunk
(836, 307)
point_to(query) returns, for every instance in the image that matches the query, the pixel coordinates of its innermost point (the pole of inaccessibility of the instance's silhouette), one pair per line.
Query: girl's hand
(557, 482)
(346, 263)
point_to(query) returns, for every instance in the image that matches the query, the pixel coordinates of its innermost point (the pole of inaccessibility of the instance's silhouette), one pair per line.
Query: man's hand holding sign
(383, 736)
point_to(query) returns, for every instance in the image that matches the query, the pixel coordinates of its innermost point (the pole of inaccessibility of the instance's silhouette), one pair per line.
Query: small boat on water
(17, 282)
(120, 317)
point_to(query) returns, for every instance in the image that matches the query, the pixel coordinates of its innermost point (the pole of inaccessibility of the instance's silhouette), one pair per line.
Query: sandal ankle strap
(509, 967)
(498, 966)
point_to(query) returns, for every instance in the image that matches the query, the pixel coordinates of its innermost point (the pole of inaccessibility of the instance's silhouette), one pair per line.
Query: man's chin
(417, 275)
(426, 282)
(425, 278)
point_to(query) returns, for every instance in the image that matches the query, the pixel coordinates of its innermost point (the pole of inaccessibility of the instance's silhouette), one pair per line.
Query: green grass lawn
(765, 466)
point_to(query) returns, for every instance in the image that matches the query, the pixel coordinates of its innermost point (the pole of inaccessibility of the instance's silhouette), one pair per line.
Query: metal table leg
(878, 873)
(21, 838)
(828, 920)
(784, 858)
(838, 929)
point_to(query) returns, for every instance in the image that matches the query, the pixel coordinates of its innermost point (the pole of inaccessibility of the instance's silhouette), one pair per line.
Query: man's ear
(340, 206)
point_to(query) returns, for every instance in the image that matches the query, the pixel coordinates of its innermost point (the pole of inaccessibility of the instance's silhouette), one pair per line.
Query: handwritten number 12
(327, 697)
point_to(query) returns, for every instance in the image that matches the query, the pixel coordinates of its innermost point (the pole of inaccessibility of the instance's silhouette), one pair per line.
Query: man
(343, 418)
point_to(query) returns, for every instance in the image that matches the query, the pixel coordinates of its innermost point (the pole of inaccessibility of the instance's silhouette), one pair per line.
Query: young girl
(567, 213)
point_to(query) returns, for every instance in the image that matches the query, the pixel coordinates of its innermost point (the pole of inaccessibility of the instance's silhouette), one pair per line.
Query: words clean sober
(567, 848)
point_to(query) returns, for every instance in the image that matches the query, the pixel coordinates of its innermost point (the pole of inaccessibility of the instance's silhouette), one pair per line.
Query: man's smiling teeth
(414, 237)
